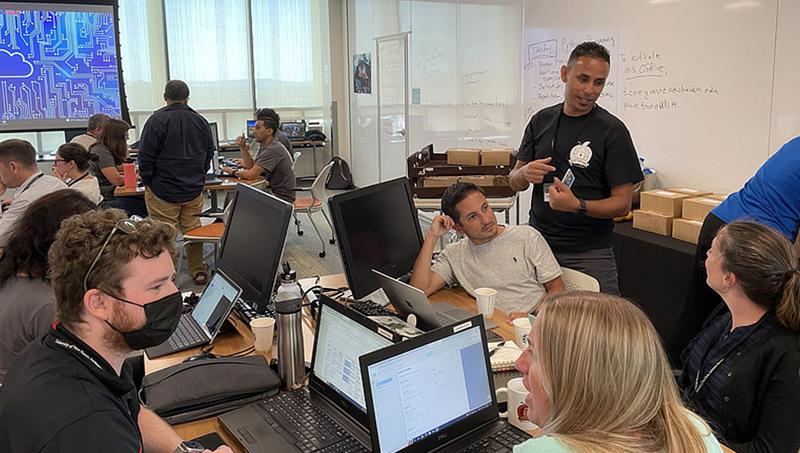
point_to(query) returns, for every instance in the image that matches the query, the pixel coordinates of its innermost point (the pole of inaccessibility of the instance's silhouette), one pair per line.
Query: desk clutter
(678, 212)
(431, 173)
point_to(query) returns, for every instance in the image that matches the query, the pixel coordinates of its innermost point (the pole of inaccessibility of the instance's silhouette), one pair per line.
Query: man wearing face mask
(71, 390)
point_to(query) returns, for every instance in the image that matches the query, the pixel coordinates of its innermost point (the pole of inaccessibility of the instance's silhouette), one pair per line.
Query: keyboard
(369, 308)
(247, 313)
(305, 425)
(501, 441)
(187, 334)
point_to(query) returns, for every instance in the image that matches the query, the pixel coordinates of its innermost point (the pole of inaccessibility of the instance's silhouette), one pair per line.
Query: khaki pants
(181, 216)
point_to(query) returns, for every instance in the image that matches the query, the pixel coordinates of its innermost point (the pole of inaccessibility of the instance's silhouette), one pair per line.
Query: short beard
(111, 338)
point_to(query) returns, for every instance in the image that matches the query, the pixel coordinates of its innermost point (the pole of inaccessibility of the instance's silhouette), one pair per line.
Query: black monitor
(252, 246)
(377, 228)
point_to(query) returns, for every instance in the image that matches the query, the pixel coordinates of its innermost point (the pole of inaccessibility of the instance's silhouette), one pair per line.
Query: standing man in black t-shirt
(580, 136)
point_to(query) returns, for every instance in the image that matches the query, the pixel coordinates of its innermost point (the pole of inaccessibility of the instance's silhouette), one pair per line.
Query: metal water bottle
(288, 307)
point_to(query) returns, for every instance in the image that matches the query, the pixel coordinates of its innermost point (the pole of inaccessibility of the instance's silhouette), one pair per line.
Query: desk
(228, 183)
(298, 144)
(241, 338)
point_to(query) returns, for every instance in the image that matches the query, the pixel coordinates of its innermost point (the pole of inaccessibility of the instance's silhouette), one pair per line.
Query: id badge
(547, 192)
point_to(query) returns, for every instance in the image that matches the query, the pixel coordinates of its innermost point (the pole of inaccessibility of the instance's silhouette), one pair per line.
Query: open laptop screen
(423, 391)
(215, 303)
(340, 342)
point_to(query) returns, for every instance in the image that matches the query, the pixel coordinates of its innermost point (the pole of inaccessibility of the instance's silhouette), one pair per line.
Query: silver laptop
(407, 299)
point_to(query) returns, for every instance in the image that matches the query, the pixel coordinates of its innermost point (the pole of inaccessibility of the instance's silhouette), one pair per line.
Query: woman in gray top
(27, 303)
(111, 150)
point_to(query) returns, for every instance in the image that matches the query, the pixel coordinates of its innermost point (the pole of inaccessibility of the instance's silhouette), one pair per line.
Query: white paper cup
(263, 329)
(517, 413)
(522, 327)
(485, 298)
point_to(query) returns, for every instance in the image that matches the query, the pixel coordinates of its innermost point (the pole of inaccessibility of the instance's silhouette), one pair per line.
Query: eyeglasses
(126, 226)
(62, 160)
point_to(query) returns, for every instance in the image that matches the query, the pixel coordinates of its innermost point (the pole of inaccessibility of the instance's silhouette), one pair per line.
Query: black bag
(340, 177)
(203, 388)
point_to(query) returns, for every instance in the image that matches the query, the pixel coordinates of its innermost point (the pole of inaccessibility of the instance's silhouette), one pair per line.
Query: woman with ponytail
(742, 372)
(599, 382)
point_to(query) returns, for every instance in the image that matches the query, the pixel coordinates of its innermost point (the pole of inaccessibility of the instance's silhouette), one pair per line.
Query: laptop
(435, 394)
(206, 320)
(213, 170)
(295, 131)
(407, 299)
(330, 412)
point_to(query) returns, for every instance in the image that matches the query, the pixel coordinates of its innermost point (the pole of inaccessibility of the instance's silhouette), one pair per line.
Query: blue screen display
(58, 65)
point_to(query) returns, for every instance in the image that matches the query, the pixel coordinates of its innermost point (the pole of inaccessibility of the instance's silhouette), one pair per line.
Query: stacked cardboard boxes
(678, 212)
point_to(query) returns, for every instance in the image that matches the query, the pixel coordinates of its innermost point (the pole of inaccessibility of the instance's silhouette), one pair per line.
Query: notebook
(504, 356)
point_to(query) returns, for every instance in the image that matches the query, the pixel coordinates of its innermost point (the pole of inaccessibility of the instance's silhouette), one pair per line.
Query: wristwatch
(189, 447)
(582, 207)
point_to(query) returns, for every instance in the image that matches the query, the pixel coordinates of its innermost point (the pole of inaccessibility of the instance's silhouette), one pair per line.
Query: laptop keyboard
(501, 441)
(187, 334)
(370, 308)
(247, 313)
(305, 425)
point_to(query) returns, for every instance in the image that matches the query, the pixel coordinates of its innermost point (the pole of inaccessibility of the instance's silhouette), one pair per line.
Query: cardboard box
(653, 222)
(493, 157)
(691, 192)
(686, 230)
(478, 180)
(439, 181)
(664, 202)
(461, 156)
(502, 181)
(718, 196)
(698, 208)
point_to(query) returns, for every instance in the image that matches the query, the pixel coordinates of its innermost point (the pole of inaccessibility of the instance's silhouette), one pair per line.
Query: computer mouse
(199, 356)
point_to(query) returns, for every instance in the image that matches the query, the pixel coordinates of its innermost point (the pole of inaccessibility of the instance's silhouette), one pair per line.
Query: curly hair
(34, 233)
(589, 49)
(77, 245)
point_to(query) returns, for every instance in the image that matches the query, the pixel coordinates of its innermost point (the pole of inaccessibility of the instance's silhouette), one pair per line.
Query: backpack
(340, 177)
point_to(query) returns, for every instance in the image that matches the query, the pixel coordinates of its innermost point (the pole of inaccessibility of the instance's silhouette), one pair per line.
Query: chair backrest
(296, 156)
(318, 186)
(574, 280)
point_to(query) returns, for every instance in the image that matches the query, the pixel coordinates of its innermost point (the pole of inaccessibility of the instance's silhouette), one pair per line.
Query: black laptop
(204, 323)
(294, 130)
(329, 414)
(434, 393)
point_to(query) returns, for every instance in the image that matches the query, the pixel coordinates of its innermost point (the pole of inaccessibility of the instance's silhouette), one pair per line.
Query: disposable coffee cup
(263, 329)
(522, 328)
(517, 413)
(485, 298)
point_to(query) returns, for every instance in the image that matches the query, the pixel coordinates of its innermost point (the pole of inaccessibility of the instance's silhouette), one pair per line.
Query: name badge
(547, 192)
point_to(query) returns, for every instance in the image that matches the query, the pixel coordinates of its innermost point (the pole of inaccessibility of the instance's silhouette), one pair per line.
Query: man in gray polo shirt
(514, 260)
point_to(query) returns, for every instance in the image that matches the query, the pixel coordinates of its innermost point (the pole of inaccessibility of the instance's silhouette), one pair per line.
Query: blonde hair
(608, 380)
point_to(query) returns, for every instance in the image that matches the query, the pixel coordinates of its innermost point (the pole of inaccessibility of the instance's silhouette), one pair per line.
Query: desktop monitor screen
(59, 65)
(377, 228)
(252, 245)
(251, 126)
(294, 129)
(214, 168)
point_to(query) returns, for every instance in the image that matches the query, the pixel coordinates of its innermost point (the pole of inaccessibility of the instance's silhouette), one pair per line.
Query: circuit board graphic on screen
(58, 65)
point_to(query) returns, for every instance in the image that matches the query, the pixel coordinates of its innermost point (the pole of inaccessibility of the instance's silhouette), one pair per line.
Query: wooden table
(240, 338)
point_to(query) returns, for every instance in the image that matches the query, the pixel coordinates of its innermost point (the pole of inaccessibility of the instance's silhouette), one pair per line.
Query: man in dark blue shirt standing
(175, 152)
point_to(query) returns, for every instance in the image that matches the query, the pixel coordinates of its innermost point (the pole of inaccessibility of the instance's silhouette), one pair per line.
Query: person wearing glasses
(599, 381)
(18, 170)
(742, 371)
(27, 302)
(71, 390)
(72, 167)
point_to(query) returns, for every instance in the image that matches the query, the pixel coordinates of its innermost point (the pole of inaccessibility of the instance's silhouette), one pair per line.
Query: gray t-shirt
(96, 169)
(277, 163)
(27, 308)
(517, 263)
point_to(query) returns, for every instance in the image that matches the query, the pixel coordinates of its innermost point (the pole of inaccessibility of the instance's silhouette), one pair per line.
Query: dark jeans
(599, 263)
(700, 301)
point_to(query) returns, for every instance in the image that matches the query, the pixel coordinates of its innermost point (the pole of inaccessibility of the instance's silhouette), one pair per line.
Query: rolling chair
(574, 280)
(313, 204)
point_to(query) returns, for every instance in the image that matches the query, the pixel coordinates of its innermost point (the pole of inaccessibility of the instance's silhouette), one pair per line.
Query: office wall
(705, 86)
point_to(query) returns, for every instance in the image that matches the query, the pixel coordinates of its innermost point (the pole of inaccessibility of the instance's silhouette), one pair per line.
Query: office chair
(574, 280)
(314, 204)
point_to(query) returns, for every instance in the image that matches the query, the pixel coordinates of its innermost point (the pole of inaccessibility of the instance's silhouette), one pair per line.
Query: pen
(494, 349)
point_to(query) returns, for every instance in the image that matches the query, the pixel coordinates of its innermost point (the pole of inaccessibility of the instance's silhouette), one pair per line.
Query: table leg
(214, 209)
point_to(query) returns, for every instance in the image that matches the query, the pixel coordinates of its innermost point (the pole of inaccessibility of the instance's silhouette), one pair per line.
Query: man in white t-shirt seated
(515, 260)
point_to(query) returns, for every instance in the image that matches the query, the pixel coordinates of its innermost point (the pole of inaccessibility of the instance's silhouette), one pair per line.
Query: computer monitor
(251, 127)
(377, 228)
(214, 169)
(252, 246)
(294, 129)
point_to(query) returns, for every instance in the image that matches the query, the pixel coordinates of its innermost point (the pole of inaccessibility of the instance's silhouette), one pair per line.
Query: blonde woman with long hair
(599, 381)
(742, 371)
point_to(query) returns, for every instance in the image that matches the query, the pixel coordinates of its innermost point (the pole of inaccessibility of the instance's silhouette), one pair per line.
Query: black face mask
(162, 319)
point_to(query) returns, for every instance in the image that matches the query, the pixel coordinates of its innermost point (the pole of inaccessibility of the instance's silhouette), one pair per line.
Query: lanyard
(699, 383)
(31, 183)
(76, 180)
(555, 133)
